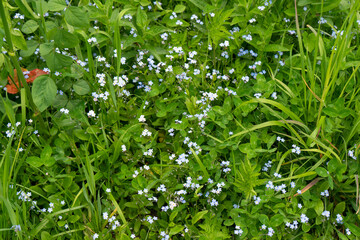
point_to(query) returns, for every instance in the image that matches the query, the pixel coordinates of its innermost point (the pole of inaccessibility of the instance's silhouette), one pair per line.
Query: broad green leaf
(46, 48)
(275, 48)
(81, 87)
(31, 47)
(198, 216)
(18, 39)
(45, 235)
(179, 8)
(41, 6)
(29, 27)
(276, 220)
(176, 230)
(56, 61)
(2, 59)
(353, 228)
(46, 152)
(156, 30)
(319, 207)
(141, 18)
(65, 39)
(35, 161)
(56, 5)
(321, 172)
(340, 208)
(77, 17)
(44, 92)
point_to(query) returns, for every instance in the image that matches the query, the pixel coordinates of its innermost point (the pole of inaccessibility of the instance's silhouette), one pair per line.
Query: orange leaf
(29, 76)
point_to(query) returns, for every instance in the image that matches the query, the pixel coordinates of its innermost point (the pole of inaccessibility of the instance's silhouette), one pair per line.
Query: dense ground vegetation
(179, 119)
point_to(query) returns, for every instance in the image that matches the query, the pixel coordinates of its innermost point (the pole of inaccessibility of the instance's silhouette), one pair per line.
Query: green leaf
(340, 208)
(321, 172)
(141, 18)
(179, 8)
(29, 27)
(353, 228)
(46, 48)
(44, 92)
(45, 235)
(198, 216)
(56, 61)
(18, 39)
(65, 39)
(76, 17)
(2, 59)
(35, 161)
(200, 4)
(319, 207)
(277, 220)
(176, 230)
(81, 87)
(332, 165)
(275, 48)
(41, 6)
(31, 47)
(56, 5)
(156, 30)
(337, 109)
(46, 152)
(309, 41)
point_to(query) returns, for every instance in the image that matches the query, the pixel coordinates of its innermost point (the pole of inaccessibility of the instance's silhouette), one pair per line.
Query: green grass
(214, 119)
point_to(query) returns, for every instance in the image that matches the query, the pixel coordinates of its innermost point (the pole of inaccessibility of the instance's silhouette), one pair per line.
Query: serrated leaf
(43, 92)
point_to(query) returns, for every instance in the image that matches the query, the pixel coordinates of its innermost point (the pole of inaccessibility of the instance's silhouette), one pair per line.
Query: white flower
(257, 95)
(304, 218)
(326, 214)
(295, 149)
(95, 236)
(108, 190)
(339, 218)
(273, 95)
(214, 202)
(123, 148)
(123, 60)
(91, 113)
(105, 215)
(142, 118)
(238, 231)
